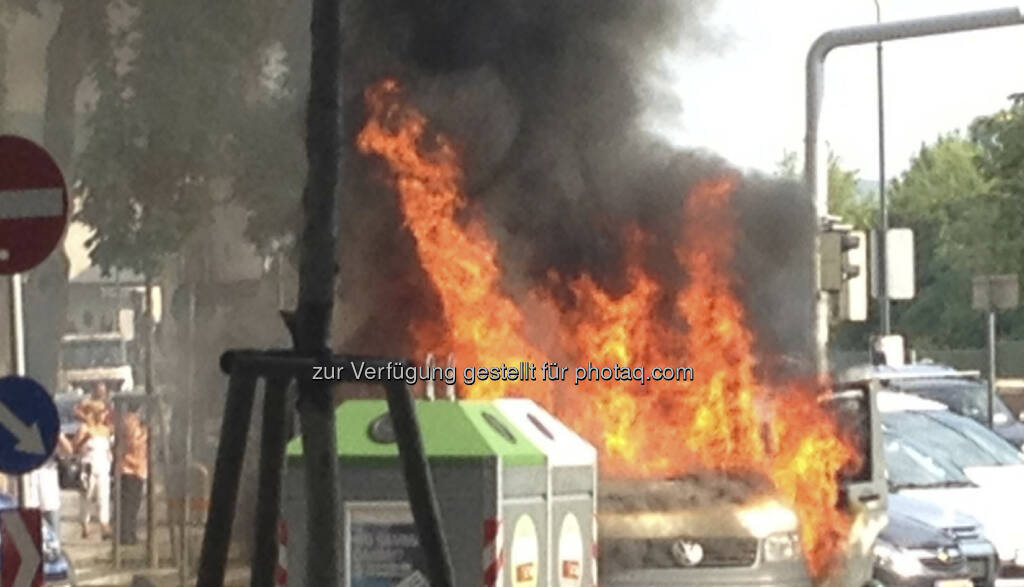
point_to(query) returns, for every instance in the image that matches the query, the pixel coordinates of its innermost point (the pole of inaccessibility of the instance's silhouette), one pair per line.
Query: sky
(745, 100)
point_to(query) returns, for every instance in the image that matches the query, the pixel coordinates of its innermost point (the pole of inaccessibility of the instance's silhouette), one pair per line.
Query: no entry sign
(33, 205)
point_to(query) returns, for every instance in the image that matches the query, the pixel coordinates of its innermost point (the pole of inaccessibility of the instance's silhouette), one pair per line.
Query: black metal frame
(279, 368)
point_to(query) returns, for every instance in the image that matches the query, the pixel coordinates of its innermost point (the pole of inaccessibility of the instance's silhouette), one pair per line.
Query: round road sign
(29, 425)
(33, 205)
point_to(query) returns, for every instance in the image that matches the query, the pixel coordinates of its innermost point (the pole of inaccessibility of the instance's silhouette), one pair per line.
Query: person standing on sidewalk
(133, 469)
(93, 443)
(44, 486)
(96, 406)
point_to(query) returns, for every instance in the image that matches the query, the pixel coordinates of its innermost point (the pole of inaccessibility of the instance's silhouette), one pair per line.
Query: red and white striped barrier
(281, 573)
(494, 552)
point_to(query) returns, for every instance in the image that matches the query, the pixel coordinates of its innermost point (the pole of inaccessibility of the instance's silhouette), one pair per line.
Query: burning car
(731, 541)
(821, 499)
(735, 530)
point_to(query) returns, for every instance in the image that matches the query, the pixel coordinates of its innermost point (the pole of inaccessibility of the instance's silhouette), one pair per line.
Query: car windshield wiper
(934, 484)
(956, 483)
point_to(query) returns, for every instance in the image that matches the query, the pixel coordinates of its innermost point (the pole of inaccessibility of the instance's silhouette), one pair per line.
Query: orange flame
(484, 325)
(722, 419)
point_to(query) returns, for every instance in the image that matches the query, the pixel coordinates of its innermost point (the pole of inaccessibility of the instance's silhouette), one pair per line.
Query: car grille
(717, 552)
(943, 565)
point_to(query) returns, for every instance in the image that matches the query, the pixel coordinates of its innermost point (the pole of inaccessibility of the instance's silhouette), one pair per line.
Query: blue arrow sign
(29, 425)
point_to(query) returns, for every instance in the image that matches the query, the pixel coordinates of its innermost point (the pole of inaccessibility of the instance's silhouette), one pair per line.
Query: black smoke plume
(544, 100)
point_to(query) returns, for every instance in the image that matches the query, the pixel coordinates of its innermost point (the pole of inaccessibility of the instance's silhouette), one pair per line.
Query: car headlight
(905, 563)
(781, 547)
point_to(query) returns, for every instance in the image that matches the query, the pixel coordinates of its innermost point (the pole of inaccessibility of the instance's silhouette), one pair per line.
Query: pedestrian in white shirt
(43, 486)
(97, 459)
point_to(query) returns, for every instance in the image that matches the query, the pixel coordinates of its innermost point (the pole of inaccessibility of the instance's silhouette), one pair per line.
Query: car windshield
(964, 396)
(87, 354)
(940, 439)
(982, 436)
(909, 466)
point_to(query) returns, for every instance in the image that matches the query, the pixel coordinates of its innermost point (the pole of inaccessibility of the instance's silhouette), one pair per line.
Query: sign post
(33, 215)
(991, 293)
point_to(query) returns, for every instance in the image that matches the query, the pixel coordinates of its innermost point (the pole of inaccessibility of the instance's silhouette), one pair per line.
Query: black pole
(419, 484)
(883, 204)
(234, 431)
(991, 363)
(317, 268)
(268, 498)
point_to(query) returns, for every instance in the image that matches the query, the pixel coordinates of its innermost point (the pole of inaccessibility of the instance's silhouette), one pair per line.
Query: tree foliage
(1000, 139)
(944, 198)
(182, 110)
(844, 198)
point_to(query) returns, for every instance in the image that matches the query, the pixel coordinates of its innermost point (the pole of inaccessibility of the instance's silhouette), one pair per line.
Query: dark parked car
(57, 569)
(962, 393)
(927, 545)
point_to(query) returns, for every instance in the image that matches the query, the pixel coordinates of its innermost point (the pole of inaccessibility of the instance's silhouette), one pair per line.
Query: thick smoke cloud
(543, 100)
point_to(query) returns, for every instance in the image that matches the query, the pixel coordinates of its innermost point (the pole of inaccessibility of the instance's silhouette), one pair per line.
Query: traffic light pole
(883, 204)
(815, 161)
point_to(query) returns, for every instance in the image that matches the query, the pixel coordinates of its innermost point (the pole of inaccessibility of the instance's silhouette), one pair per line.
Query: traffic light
(844, 269)
(836, 267)
(853, 297)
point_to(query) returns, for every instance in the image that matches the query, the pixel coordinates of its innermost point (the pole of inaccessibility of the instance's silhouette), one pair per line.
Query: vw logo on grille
(687, 554)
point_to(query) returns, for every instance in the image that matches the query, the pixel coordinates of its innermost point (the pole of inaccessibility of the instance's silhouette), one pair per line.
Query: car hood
(928, 513)
(1002, 521)
(1003, 479)
(907, 531)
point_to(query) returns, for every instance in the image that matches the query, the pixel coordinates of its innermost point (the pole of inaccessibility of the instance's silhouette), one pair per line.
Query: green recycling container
(516, 490)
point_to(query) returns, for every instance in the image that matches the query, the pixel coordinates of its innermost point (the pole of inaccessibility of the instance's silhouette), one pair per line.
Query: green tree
(943, 197)
(1000, 142)
(183, 107)
(844, 198)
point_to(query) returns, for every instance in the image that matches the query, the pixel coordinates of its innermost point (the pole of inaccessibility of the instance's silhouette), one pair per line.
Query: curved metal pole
(815, 163)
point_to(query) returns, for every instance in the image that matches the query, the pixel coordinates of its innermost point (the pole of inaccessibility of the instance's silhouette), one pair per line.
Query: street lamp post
(883, 204)
(815, 163)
